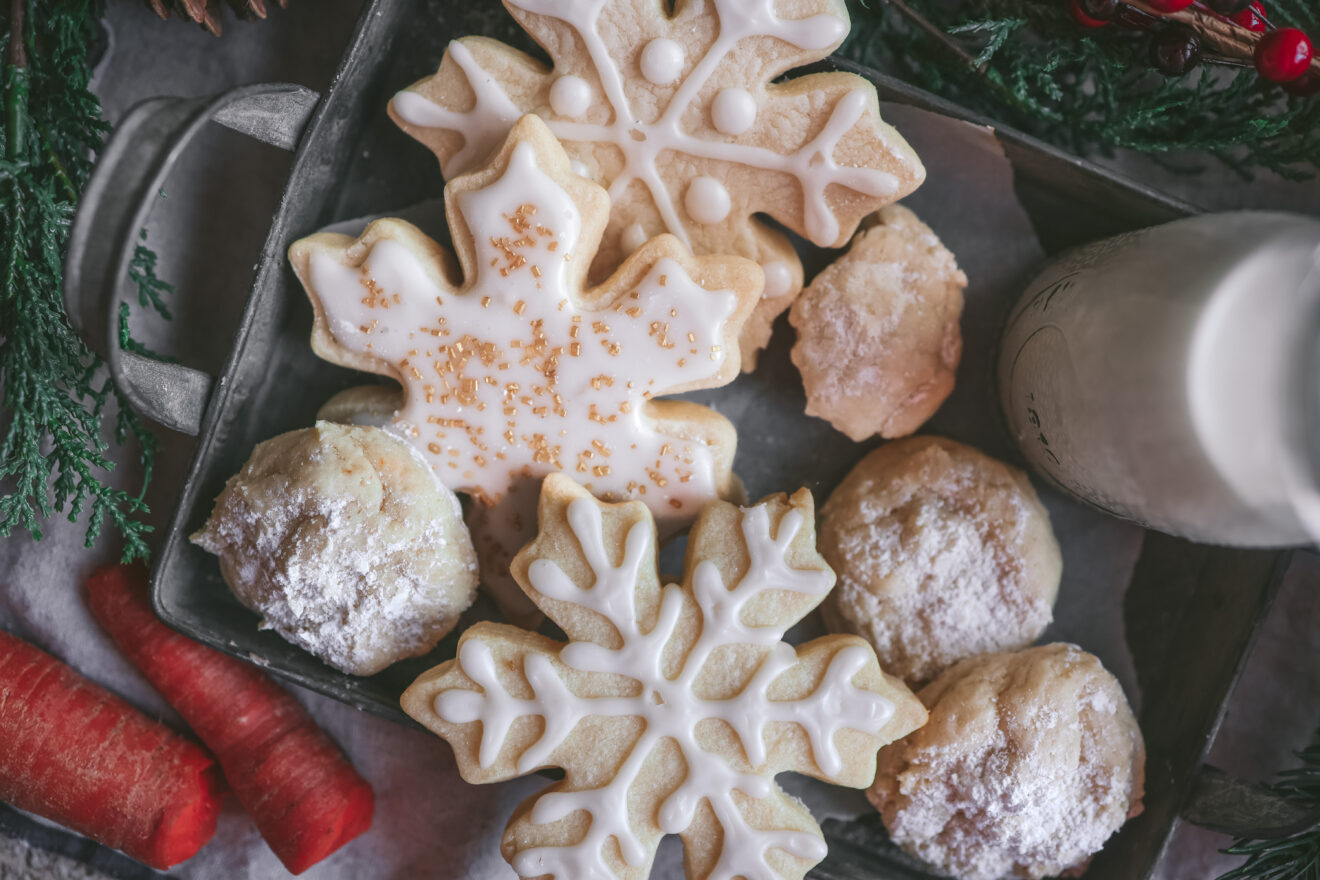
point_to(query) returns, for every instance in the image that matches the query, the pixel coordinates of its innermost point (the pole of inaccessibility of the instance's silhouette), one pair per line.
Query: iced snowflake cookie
(877, 330)
(679, 117)
(346, 544)
(1029, 762)
(513, 369)
(671, 708)
(941, 552)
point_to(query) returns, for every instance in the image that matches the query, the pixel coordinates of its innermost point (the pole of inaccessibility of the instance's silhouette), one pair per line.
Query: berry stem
(1222, 37)
(1206, 10)
(924, 24)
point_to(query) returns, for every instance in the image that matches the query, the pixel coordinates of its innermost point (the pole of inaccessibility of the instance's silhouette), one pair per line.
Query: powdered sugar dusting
(935, 567)
(1045, 766)
(359, 565)
(958, 588)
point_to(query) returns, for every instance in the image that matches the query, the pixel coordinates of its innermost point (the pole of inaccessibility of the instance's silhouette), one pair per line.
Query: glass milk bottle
(1172, 376)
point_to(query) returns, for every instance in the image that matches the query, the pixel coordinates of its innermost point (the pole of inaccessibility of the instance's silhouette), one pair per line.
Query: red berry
(1283, 54)
(1175, 50)
(1079, 15)
(1168, 6)
(1252, 18)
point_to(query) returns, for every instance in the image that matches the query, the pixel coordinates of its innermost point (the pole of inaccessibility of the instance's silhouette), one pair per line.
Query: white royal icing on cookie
(579, 168)
(778, 279)
(483, 127)
(670, 707)
(642, 141)
(662, 61)
(512, 379)
(706, 200)
(570, 96)
(733, 111)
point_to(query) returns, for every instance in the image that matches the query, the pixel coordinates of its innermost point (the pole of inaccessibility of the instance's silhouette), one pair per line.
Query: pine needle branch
(1094, 93)
(55, 401)
(1296, 857)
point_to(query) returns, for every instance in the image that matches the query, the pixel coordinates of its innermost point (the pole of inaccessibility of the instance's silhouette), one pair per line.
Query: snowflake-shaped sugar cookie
(671, 708)
(513, 370)
(679, 117)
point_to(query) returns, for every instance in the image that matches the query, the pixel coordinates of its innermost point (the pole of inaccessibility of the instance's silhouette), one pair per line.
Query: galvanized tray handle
(114, 208)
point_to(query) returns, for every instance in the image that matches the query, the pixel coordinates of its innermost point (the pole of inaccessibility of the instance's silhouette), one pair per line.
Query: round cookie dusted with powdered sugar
(1028, 763)
(671, 707)
(686, 117)
(878, 341)
(941, 552)
(346, 544)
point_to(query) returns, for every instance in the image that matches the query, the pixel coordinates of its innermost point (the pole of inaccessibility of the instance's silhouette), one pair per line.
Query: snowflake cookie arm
(592, 567)
(506, 704)
(765, 557)
(341, 330)
(777, 828)
(694, 423)
(464, 111)
(834, 734)
(823, 709)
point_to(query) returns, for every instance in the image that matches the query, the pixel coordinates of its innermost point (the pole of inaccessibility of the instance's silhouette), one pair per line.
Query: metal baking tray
(1191, 611)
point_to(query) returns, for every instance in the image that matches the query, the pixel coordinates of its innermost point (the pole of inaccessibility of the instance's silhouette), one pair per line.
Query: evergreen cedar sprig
(55, 400)
(1094, 92)
(1290, 858)
(152, 293)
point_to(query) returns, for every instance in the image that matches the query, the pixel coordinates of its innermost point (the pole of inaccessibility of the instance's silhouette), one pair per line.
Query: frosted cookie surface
(1028, 764)
(515, 368)
(670, 708)
(682, 114)
(942, 552)
(345, 543)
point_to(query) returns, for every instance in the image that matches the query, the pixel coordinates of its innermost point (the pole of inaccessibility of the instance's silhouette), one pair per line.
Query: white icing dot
(778, 279)
(634, 237)
(733, 111)
(662, 61)
(570, 96)
(580, 169)
(706, 200)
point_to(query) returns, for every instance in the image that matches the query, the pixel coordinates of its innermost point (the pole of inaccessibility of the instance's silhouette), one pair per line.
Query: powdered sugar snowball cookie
(878, 341)
(941, 552)
(513, 368)
(346, 544)
(682, 112)
(670, 708)
(1028, 764)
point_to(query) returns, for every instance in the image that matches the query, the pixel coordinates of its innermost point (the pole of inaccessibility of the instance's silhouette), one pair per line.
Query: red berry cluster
(1282, 55)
